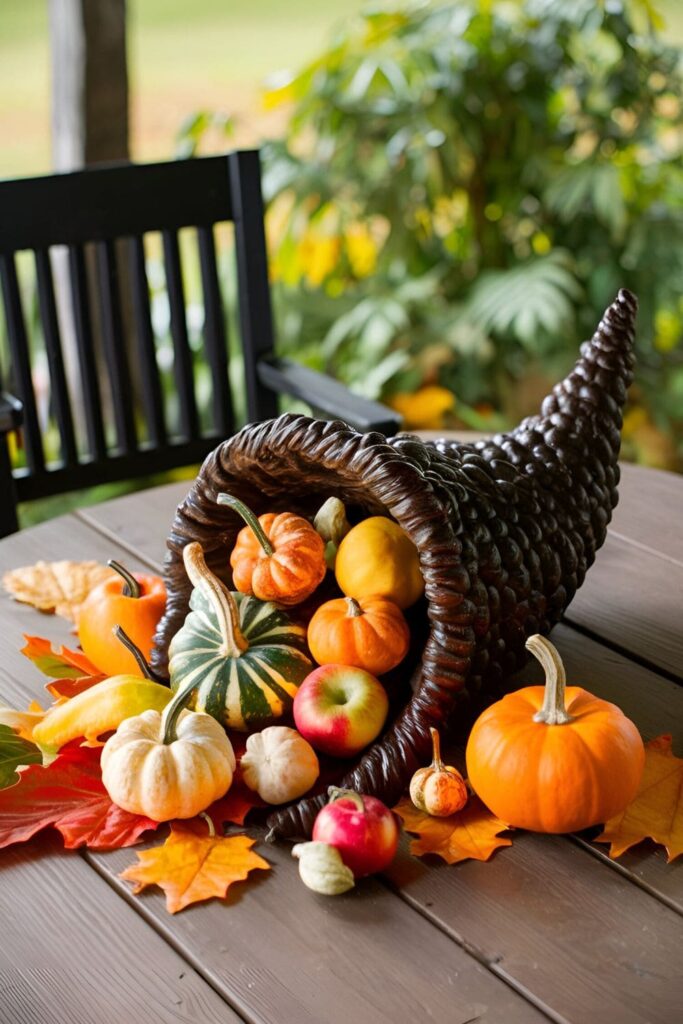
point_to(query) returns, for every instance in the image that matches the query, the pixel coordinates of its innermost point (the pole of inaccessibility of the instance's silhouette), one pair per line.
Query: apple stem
(131, 587)
(334, 794)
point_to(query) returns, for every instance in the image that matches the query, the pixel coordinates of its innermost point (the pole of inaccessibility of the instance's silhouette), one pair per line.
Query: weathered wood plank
(633, 599)
(72, 950)
(650, 510)
(279, 952)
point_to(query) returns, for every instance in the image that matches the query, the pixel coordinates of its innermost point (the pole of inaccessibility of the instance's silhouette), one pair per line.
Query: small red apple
(340, 709)
(362, 828)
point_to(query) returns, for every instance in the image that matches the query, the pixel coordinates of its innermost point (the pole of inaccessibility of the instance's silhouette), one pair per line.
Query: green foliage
(463, 187)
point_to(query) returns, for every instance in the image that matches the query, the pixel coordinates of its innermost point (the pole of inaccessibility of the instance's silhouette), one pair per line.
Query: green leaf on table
(15, 751)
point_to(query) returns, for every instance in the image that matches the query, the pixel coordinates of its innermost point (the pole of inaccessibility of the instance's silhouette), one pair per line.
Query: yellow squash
(377, 557)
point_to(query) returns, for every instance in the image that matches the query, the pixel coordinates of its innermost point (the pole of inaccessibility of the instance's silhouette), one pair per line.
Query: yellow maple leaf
(656, 812)
(22, 722)
(471, 834)
(59, 587)
(191, 867)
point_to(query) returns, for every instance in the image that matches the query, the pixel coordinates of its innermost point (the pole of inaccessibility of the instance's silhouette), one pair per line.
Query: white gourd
(279, 764)
(322, 869)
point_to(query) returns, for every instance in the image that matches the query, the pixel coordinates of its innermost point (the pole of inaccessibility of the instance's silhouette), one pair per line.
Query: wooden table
(549, 929)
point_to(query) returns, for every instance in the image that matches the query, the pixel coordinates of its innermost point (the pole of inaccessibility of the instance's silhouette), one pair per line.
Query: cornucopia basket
(505, 528)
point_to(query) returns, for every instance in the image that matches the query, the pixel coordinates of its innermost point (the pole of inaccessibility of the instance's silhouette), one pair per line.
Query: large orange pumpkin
(277, 557)
(369, 633)
(554, 759)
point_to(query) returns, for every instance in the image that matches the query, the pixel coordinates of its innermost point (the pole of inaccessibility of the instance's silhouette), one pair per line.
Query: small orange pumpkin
(277, 557)
(551, 759)
(369, 633)
(440, 789)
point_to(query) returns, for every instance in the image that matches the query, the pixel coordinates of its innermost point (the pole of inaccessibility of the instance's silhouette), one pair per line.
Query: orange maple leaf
(58, 664)
(471, 834)
(656, 812)
(190, 868)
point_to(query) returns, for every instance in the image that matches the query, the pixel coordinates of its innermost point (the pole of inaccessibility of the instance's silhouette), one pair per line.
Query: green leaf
(15, 751)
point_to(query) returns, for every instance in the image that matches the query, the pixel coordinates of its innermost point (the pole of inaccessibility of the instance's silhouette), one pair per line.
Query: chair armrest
(11, 413)
(327, 395)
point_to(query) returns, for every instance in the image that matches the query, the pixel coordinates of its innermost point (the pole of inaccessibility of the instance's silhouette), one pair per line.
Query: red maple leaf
(72, 687)
(69, 795)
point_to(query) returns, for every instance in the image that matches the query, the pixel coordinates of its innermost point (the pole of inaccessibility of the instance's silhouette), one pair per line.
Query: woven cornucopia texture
(505, 528)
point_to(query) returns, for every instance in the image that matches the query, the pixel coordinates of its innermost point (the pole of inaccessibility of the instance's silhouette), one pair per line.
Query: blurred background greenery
(456, 189)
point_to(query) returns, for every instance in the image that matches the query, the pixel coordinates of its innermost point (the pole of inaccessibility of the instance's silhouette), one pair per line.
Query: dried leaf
(190, 867)
(22, 722)
(470, 834)
(15, 751)
(69, 795)
(68, 688)
(59, 587)
(60, 664)
(657, 810)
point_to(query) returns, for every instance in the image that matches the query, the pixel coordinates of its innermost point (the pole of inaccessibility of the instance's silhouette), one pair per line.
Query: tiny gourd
(377, 557)
(277, 557)
(439, 789)
(322, 869)
(168, 765)
(332, 525)
(369, 633)
(554, 758)
(246, 658)
(279, 764)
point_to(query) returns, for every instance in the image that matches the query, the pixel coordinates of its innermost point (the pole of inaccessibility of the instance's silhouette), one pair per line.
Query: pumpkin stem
(209, 822)
(131, 586)
(354, 609)
(171, 713)
(553, 711)
(221, 600)
(143, 664)
(436, 749)
(250, 519)
(334, 793)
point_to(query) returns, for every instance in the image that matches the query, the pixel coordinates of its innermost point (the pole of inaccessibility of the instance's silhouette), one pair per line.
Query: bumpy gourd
(170, 765)
(554, 758)
(369, 633)
(279, 764)
(440, 789)
(322, 869)
(245, 657)
(378, 558)
(277, 558)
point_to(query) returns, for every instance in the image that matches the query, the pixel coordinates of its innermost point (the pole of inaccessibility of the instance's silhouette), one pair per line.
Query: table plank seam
(625, 539)
(619, 649)
(604, 857)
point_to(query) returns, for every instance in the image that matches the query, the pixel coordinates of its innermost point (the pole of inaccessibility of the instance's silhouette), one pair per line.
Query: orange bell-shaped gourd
(440, 789)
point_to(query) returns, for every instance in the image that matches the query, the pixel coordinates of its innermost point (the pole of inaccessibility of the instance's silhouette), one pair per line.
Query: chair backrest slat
(256, 318)
(215, 336)
(112, 379)
(114, 348)
(147, 360)
(21, 362)
(59, 393)
(182, 356)
(83, 333)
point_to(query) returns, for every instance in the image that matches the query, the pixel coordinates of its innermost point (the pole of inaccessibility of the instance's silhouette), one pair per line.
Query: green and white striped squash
(246, 657)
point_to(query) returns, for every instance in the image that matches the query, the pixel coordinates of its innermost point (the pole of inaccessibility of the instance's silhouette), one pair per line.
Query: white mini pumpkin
(279, 764)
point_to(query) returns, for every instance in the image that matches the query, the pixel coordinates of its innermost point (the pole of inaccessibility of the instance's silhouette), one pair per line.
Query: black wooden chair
(89, 212)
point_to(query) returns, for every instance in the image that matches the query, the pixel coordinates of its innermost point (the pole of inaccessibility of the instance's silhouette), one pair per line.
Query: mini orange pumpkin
(554, 759)
(439, 789)
(369, 633)
(277, 557)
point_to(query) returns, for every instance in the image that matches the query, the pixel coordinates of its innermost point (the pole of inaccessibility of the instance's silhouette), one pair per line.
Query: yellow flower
(424, 409)
(318, 255)
(361, 250)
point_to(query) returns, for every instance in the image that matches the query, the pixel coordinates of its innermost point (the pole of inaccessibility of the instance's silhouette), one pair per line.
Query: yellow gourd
(378, 558)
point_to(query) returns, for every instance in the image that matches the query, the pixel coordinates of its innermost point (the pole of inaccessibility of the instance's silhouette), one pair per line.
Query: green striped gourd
(245, 656)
